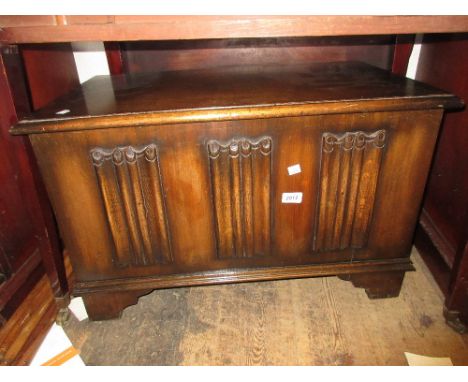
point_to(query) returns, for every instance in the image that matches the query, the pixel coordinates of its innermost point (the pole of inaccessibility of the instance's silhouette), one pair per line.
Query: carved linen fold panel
(240, 172)
(131, 188)
(350, 166)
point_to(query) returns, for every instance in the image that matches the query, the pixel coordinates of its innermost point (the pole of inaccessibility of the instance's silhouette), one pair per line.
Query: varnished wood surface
(201, 203)
(402, 54)
(27, 225)
(241, 275)
(27, 228)
(25, 29)
(444, 218)
(290, 322)
(155, 56)
(232, 92)
(184, 164)
(50, 71)
(24, 332)
(21, 335)
(444, 62)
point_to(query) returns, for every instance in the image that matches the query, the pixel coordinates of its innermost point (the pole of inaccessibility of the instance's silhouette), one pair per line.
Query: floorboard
(320, 321)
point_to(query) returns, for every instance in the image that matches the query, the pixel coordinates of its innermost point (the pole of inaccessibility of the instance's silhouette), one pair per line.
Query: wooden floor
(23, 333)
(322, 321)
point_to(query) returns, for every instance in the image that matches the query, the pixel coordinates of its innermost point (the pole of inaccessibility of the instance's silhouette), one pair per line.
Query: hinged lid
(230, 93)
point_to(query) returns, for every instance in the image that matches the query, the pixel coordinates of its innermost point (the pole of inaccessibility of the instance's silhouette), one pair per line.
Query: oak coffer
(237, 174)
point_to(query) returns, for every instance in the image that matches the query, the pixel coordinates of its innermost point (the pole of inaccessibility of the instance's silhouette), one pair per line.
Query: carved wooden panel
(350, 165)
(240, 172)
(131, 188)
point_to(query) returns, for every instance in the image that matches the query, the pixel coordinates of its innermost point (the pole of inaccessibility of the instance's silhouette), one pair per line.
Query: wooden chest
(237, 174)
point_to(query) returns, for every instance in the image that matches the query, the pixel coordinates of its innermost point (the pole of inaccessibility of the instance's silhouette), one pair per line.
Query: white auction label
(294, 169)
(291, 197)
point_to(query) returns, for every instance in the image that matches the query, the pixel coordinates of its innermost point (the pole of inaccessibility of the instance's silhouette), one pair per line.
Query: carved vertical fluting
(220, 166)
(350, 166)
(248, 200)
(142, 180)
(158, 216)
(128, 202)
(351, 196)
(240, 172)
(261, 163)
(236, 198)
(131, 188)
(342, 188)
(370, 169)
(110, 192)
(331, 201)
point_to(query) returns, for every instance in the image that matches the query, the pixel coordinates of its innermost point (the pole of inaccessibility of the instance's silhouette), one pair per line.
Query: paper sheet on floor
(78, 309)
(55, 343)
(420, 360)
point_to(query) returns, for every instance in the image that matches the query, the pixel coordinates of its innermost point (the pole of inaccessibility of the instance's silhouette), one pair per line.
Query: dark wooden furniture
(181, 177)
(29, 245)
(442, 237)
(20, 258)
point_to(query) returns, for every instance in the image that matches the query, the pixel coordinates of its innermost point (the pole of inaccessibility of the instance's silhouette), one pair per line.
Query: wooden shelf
(41, 29)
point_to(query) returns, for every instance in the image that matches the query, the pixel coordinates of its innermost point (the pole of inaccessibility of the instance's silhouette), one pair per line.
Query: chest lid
(230, 93)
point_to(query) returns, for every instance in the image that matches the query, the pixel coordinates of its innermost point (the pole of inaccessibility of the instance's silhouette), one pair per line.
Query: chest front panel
(187, 198)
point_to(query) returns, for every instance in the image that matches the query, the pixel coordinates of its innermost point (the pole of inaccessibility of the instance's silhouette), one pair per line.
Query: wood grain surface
(28, 326)
(155, 56)
(24, 29)
(198, 203)
(232, 92)
(293, 322)
(24, 332)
